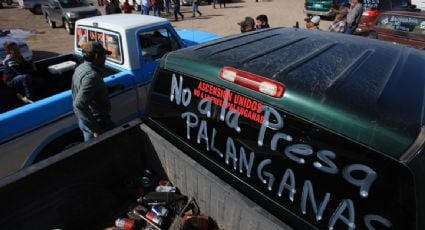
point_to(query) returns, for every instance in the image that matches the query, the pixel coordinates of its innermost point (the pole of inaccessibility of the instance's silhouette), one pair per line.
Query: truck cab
(36, 131)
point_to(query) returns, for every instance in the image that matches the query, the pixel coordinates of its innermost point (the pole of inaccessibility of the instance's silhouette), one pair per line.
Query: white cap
(315, 19)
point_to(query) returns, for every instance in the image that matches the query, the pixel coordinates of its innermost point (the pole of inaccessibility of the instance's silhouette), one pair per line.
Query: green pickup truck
(325, 8)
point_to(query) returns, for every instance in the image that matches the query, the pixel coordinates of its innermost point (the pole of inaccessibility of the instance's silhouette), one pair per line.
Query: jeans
(350, 30)
(145, 10)
(195, 9)
(156, 10)
(167, 6)
(86, 131)
(177, 11)
(106, 124)
(23, 80)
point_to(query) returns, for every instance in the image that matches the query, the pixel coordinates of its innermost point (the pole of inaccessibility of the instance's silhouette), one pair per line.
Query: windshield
(74, 3)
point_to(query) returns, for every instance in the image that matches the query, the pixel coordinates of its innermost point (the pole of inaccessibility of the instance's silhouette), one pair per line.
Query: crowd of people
(346, 20)
(158, 7)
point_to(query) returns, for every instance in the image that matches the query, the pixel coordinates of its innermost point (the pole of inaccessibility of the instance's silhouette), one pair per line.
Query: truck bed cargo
(74, 190)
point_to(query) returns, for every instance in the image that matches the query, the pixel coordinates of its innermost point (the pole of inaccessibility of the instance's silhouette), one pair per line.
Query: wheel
(9, 2)
(50, 22)
(36, 10)
(68, 28)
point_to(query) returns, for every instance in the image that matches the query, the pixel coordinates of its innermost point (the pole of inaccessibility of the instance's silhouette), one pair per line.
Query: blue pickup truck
(31, 132)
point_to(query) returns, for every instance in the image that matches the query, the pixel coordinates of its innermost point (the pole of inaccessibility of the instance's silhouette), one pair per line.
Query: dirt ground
(46, 42)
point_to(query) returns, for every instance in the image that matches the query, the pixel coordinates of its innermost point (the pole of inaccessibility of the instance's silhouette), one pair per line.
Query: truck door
(154, 44)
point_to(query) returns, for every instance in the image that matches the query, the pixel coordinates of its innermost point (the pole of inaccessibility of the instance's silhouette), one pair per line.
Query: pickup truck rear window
(402, 23)
(316, 176)
(111, 41)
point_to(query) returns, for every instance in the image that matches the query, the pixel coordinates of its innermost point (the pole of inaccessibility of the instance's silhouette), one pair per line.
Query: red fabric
(127, 8)
(6, 77)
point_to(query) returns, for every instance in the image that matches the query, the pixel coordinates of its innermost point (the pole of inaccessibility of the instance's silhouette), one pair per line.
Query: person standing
(261, 22)
(167, 6)
(155, 7)
(195, 8)
(146, 5)
(339, 25)
(177, 10)
(223, 2)
(214, 3)
(312, 23)
(126, 8)
(90, 98)
(17, 71)
(248, 24)
(354, 15)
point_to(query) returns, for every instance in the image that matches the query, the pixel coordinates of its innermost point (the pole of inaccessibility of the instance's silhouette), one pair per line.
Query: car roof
(364, 89)
(121, 22)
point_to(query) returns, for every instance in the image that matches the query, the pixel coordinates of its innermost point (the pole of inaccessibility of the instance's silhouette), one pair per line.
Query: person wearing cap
(90, 98)
(17, 71)
(261, 22)
(339, 25)
(312, 23)
(248, 24)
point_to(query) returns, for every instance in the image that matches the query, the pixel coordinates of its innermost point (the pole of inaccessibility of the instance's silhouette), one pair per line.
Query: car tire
(51, 23)
(68, 27)
(9, 2)
(36, 10)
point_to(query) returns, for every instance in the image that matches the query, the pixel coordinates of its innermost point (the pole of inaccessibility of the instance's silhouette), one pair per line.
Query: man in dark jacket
(89, 93)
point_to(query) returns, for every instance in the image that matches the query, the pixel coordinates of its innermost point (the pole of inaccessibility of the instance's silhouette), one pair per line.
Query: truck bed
(88, 186)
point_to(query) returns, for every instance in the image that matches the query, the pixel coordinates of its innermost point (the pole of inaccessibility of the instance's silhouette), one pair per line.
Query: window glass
(156, 43)
(74, 3)
(402, 23)
(110, 41)
(112, 44)
(81, 37)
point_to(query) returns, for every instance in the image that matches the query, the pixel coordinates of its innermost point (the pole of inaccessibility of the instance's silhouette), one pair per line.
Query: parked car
(401, 27)
(323, 7)
(32, 5)
(67, 12)
(8, 2)
(4, 37)
(372, 9)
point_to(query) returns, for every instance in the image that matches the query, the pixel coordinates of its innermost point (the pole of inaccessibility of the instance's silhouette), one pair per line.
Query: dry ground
(223, 21)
